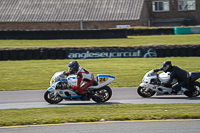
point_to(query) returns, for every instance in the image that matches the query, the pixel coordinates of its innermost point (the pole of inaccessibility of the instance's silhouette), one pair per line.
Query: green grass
(130, 41)
(35, 74)
(97, 112)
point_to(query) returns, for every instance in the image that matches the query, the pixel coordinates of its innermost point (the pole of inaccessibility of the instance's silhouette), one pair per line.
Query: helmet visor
(70, 69)
(165, 68)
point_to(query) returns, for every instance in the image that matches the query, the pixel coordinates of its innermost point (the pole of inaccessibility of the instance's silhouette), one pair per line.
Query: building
(71, 14)
(174, 12)
(96, 14)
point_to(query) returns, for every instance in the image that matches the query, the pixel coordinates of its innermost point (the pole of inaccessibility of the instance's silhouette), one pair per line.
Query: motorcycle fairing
(162, 77)
(102, 80)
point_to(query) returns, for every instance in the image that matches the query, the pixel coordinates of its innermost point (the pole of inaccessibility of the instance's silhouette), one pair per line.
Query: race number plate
(53, 81)
(103, 79)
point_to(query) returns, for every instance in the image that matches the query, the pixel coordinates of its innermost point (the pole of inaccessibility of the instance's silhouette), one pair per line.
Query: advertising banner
(112, 53)
(100, 52)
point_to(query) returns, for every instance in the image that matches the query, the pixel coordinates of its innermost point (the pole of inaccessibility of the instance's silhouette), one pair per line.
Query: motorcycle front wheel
(50, 98)
(144, 92)
(102, 95)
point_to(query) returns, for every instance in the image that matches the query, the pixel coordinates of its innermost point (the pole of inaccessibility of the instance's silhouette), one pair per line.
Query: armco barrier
(100, 52)
(159, 31)
(64, 34)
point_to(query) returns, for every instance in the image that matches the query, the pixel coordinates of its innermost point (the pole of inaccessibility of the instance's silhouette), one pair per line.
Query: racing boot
(85, 97)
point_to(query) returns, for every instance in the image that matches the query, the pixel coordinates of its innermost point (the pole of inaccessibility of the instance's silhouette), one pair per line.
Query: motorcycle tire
(102, 95)
(145, 94)
(49, 97)
(194, 93)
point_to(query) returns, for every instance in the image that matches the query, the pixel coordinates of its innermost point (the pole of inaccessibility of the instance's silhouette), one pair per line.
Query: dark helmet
(167, 66)
(73, 67)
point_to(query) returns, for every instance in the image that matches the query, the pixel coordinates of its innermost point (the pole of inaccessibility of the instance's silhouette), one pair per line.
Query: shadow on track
(186, 98)
(84, 104)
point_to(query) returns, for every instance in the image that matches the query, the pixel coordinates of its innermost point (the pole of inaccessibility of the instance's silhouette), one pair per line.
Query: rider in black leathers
(175, 72)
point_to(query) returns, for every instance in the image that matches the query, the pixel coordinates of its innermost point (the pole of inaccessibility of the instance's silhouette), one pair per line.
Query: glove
(66, 73)
(156, 70)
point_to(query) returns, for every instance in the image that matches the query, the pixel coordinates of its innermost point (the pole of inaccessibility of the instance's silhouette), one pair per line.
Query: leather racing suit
(181, 75)
(83, 75)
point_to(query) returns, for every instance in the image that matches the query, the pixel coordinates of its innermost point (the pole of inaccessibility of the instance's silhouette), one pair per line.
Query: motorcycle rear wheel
(102, 95)
(194, 93)
(145, 94)
(49, 97)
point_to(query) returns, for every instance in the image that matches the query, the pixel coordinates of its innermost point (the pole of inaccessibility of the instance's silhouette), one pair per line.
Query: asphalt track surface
(125, 95)
(178, 126)
(121, 95)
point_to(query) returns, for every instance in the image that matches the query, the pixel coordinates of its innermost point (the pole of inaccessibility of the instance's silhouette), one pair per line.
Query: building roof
(69, 10)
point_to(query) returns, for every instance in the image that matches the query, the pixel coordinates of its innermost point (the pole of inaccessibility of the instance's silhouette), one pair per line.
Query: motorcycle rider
(82, 75)
(175, 72)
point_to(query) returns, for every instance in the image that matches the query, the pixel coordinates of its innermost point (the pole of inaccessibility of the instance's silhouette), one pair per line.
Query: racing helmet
(73, 67)
(167, 66)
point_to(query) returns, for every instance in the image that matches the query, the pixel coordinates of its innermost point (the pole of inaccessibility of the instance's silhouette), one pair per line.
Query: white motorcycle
(59, 88)
(151, 84)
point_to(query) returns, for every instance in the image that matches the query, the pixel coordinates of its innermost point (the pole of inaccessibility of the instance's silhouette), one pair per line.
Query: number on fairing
(103, 79)
(53, 81)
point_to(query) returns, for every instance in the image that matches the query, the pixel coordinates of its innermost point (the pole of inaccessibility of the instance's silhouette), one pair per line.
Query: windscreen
(57, 77)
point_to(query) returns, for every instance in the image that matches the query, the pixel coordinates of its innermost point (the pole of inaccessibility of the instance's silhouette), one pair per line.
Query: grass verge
(95, 113)
(130, 41)
(35, 74)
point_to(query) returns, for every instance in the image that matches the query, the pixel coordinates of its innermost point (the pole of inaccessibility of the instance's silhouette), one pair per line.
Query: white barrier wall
(195, 30)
